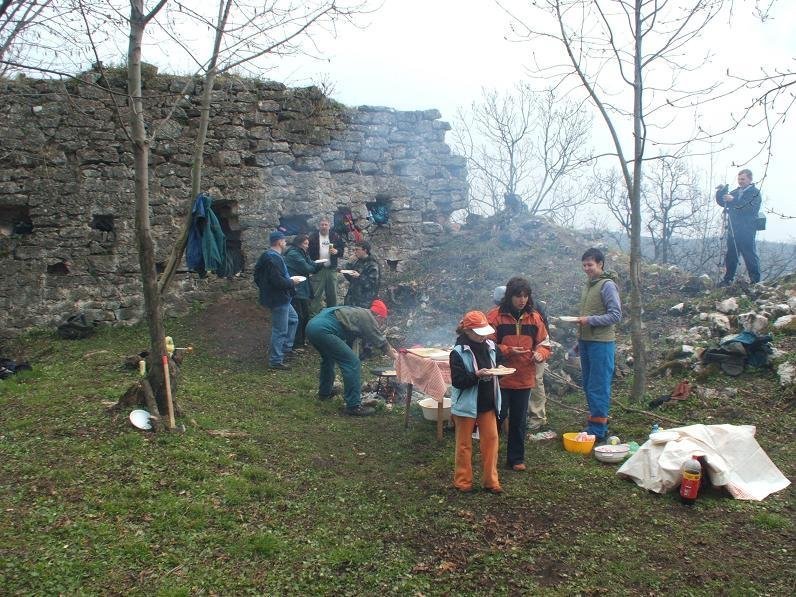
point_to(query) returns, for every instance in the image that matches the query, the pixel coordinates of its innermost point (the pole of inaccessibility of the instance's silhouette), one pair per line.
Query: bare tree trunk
(146, 247)
(198, 152)
(636, 327)
(196, 185)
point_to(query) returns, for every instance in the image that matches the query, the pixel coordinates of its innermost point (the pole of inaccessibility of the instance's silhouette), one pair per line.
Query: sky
(415, 55)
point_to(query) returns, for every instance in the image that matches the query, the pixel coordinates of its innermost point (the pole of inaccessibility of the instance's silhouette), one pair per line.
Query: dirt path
(235, 328)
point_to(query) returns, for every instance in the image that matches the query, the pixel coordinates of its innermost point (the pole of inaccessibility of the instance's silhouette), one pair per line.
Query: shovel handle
(169, 403)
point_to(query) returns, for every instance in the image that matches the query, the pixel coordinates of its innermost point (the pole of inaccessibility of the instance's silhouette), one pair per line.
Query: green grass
(301, 500)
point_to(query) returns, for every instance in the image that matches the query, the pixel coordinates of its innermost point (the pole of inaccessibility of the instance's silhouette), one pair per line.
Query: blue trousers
(284, 322)
(597, 367)
(514, 405)
(326, 334)
(742, 241)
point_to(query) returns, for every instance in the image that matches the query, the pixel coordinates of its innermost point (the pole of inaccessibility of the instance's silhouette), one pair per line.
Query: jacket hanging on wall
(207, 245)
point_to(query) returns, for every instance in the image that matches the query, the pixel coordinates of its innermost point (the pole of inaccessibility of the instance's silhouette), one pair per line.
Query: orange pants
(488, 445)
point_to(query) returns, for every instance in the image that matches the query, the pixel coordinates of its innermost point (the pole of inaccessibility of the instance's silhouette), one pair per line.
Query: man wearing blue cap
(276, 290)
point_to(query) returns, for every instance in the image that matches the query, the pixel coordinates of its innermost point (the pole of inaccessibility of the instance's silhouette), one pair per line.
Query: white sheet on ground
(735, 461)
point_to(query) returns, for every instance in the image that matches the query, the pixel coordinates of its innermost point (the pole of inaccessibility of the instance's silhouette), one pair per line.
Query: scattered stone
(715, 393)
(787, 374)
(677, 309)
(729, 305)
(777, 354)
(753, 322)
(719, 323)
(780, 309)
(696, 334)
(679, 352)
(786, 322)
(698, 284)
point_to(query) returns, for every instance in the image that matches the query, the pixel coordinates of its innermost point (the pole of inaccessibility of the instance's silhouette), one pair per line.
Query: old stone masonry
(274, 156)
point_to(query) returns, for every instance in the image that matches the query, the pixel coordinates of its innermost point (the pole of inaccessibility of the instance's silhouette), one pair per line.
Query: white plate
(348, 271)
(298, 279)
(321, 261)
(568, 318)
(664, 436)
(498, 371)
(140, 418)
(436, 354)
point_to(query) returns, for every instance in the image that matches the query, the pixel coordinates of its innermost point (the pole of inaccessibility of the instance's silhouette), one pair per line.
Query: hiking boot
(724, 284)
(334, 392)
(542, 434)
(359, 411)
(279, 367)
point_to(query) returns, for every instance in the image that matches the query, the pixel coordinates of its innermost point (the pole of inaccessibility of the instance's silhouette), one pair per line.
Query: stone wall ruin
(273, 155)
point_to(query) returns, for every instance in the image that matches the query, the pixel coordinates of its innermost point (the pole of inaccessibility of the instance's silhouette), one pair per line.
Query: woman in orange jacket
(521, 337)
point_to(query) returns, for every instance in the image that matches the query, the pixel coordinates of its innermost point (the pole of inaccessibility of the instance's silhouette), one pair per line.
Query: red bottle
(689, 486)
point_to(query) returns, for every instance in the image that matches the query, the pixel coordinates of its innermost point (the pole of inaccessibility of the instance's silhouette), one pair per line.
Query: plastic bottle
(689, 486)
(169, 345)
(655, 428)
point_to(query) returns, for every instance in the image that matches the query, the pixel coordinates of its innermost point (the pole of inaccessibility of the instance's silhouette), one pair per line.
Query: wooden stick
(439, 419)
(567, 406)
(408, 404)
(169, 403)
(648, 413)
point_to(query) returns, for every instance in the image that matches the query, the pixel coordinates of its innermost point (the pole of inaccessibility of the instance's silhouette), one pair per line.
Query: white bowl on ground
(612, 454)
(430, 408)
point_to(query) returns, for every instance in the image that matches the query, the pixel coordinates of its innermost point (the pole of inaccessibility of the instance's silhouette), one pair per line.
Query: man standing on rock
(600, 311)
(741, 206)
(325, 243)
(276, 290)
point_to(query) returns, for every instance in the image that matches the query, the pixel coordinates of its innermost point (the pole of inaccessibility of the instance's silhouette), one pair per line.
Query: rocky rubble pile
(706, 321)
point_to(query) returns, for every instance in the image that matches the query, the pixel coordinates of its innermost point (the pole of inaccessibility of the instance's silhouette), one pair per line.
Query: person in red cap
(379, 308)
(475, 400)
(331, 332)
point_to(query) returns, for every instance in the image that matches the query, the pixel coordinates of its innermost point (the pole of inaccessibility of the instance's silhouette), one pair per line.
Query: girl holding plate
(521, 337)
(475, 401)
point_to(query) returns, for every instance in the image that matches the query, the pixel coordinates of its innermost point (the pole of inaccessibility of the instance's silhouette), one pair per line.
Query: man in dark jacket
(325, 243)
(298, 263)
(741, 206)
(276, 290)
(364, 281)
